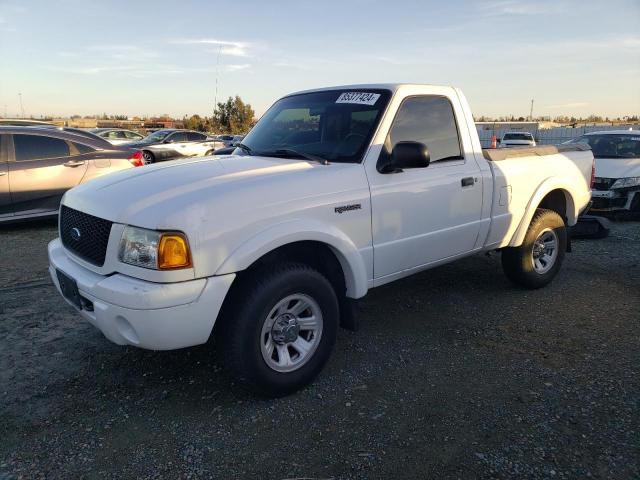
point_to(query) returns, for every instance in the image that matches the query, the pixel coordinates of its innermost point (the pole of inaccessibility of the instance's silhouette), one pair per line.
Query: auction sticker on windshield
(362, 98)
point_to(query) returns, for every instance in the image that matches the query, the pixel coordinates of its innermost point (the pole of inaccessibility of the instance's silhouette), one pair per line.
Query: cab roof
(393, 87)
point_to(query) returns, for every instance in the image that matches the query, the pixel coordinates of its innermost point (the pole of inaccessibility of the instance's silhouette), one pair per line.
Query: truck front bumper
(129, 311)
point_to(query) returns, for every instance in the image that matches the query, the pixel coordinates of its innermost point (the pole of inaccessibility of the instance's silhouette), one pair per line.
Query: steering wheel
(346, 140)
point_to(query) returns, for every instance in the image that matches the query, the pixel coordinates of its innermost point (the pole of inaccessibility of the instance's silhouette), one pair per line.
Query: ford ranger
(334, 192)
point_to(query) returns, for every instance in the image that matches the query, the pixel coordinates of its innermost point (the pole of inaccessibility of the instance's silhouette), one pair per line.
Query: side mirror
(407, 155)
(168, 140)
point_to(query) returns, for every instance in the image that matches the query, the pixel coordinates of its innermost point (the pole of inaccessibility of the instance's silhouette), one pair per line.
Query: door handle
(2, 174)
(468, 181)
(74, 163)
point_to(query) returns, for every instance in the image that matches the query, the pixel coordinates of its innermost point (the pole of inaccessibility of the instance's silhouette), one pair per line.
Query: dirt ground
(455, 373)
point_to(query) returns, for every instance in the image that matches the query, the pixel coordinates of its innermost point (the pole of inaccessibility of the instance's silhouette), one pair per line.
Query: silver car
(38, 165)
(117, 136)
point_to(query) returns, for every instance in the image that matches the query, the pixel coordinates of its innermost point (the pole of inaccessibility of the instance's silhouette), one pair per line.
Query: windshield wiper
(288, 152)
(244, 148)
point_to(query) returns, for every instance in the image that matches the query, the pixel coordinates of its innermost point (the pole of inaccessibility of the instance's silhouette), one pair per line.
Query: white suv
(517, 139)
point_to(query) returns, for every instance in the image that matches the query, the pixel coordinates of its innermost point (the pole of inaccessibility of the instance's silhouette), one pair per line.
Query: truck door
(424, 215)
(5, 196)
(41, 170)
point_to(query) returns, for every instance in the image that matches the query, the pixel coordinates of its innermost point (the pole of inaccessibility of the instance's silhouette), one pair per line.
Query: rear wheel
(537, 261)
(148, 157)
(279, 328)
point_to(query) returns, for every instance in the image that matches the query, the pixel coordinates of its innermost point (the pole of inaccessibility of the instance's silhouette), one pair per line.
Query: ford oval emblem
(75, 234)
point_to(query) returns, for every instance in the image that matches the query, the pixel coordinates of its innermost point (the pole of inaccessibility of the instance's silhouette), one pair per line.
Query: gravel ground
(455, 373)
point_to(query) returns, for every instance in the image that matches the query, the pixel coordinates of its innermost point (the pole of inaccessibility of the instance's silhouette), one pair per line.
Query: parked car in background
(230, 148)
(38, 165)
(23, 122)
(617, 182)
(335, 191)
(117, 136)
(227, 140)
(517, 139)
(6, 122)
(170, 144)
(224, 151)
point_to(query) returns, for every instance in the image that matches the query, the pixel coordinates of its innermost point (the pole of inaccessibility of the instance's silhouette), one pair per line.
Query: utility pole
(215, 97)
(21, 106)
(531, 112)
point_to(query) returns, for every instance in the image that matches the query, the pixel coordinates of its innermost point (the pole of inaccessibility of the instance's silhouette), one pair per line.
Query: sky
(154, 57)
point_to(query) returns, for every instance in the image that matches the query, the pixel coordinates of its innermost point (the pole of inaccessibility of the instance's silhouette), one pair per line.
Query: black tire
(148, 157)
(209, 152)
(518, 262)
(238, 333)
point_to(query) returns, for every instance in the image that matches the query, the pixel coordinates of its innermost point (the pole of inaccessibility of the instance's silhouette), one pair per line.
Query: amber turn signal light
(173, 252)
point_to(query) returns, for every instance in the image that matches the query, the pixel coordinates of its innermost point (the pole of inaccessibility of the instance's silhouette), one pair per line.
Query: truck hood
(167, 195)
(617, 167)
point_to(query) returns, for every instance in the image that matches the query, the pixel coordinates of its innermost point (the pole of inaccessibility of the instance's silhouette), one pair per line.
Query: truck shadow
(21, 225)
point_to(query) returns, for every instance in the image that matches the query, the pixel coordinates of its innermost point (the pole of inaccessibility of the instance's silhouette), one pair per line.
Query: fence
(550, 136)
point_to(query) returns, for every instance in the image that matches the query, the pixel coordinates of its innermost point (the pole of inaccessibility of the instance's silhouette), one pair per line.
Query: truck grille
(603, 184)
(85, 235)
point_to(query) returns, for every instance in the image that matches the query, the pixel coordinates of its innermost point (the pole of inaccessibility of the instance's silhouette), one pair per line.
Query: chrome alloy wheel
(545, 251)
(291, 333)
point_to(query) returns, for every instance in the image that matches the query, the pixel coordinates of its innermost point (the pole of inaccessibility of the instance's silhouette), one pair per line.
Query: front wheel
(537, 261)
(279, 328)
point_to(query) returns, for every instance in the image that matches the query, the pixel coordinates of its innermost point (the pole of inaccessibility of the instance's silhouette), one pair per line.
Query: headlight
(626, 182)
(156, 250)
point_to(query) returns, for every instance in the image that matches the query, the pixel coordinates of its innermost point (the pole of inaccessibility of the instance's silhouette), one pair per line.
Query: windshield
(157, 136)
(335, 125)
(612, 146)
(518, 136)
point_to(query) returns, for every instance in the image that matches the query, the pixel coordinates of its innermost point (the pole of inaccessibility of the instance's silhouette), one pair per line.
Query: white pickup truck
(334, 192)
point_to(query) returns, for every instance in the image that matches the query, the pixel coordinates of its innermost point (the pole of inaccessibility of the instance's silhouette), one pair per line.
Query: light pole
(215, 96)
(21, 106)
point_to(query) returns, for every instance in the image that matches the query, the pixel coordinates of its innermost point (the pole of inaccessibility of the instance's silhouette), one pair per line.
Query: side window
(132, 135)
(429, 120)
(83, 148)
(36, 147)
(178, 137)
(196, 137)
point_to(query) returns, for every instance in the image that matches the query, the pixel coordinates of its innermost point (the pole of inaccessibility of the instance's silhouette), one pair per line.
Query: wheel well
(317, 255)
(556, 200)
